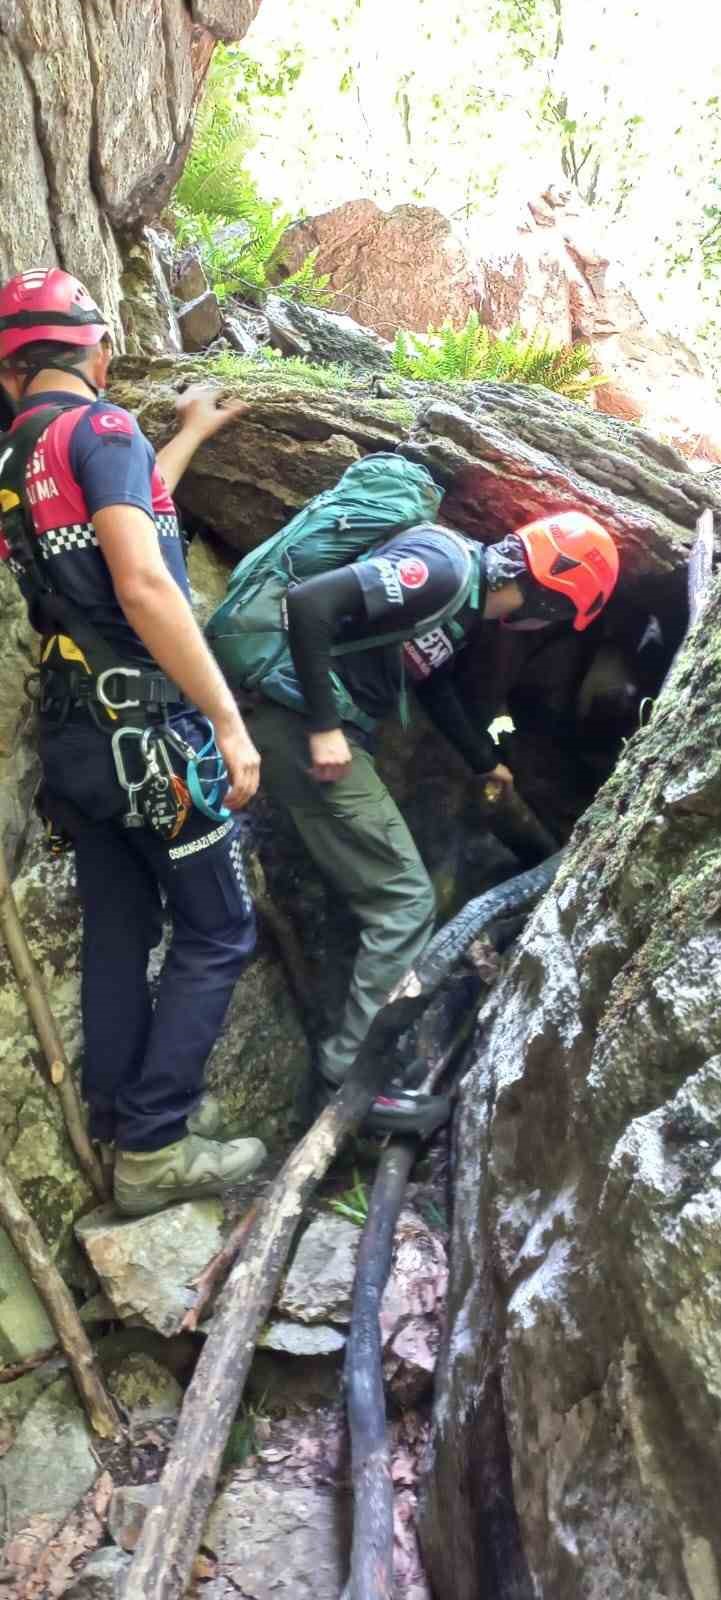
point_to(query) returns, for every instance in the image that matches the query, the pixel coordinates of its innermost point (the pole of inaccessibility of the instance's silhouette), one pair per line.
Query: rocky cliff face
(100, 98)
(577, 1444)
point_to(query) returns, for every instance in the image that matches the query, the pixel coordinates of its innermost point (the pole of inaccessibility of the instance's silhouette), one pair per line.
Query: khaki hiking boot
(148, 1180)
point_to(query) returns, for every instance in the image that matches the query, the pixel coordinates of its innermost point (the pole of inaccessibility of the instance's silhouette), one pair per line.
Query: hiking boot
(209, 1120)
(148, 1180)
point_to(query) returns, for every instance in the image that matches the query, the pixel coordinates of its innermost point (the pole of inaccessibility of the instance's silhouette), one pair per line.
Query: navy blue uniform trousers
(143, 1062)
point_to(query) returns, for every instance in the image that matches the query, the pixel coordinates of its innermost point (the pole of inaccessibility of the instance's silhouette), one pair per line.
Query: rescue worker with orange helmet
(561, 568)
(135, 716)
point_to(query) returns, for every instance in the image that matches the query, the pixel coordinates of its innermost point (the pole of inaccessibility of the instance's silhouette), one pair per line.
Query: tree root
(61, 1310)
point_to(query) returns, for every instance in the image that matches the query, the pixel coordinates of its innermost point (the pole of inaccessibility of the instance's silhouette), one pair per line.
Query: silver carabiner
(132, 818)
(104, 698)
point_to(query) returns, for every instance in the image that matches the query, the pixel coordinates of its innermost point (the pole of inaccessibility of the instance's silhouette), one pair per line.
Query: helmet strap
(48, 365)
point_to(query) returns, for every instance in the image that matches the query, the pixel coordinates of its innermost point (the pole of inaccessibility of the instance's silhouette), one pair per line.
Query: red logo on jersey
(111, 422)
(413, 572)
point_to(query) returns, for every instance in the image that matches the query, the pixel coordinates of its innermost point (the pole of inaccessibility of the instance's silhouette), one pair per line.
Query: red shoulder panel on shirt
(107, 422)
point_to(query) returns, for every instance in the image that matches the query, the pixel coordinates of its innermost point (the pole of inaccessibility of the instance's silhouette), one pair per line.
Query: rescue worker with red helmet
(146, 759)
(561, 568)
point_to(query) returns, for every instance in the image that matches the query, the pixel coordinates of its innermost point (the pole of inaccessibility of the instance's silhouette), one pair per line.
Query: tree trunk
(576, 1445)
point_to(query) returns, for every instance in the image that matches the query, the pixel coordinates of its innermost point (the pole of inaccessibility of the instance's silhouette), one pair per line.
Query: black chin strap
(56, 366)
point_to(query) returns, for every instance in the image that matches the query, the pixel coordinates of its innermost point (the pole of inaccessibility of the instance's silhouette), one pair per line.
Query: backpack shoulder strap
(46, 607)
(15, 516)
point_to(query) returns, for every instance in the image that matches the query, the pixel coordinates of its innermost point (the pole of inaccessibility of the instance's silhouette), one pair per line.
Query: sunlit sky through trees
(471, 106)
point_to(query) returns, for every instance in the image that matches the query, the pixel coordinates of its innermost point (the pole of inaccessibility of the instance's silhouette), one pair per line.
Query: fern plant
(473, 353)
(216, 189)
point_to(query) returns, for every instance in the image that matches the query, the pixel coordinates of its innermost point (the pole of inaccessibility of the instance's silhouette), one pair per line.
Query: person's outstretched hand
(200, 408)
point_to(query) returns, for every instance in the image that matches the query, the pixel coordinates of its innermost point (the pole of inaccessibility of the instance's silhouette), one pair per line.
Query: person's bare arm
(159, 613)
(200, 417)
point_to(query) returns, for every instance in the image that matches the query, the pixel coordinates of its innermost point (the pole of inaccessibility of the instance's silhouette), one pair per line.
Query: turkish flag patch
(412, 572)
(109, 423)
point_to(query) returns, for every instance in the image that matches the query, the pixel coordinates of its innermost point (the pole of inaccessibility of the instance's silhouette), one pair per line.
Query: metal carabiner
(132, 818)
(104, 698)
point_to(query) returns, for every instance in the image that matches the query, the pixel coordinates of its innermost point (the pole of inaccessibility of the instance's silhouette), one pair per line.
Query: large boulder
(577, 1442)
(53, 1431)
(531, 452)
(88, 167)
(324, 336)
(389, 269)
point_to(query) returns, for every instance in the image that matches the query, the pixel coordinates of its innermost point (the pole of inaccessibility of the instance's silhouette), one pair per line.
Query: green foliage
(293, 371)
(216, 190)
(249, 1428)
(353, 1203)
(473, 353)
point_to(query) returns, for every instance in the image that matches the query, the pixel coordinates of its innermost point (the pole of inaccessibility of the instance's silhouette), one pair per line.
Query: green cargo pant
(358, 839)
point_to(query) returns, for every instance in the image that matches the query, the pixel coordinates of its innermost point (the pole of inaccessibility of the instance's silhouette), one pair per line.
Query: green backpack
(376, 497)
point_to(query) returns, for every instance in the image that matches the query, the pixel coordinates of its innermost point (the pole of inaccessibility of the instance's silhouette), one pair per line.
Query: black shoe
(408, 1111)
(400, 1110)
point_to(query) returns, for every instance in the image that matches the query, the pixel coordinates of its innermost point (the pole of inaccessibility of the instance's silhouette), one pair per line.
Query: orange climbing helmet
(573, 554)
(46, 303)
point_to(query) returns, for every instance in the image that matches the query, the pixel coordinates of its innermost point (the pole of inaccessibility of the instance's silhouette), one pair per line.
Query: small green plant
(292, 370)
(353, 1203)
(216, 189)
(249, 1429)
(474, 354)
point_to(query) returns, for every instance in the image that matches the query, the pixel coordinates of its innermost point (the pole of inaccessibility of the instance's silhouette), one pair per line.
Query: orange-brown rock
(389, 269)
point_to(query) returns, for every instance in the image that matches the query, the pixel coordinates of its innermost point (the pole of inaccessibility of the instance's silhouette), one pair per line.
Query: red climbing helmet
(47, 303)
(575, 555)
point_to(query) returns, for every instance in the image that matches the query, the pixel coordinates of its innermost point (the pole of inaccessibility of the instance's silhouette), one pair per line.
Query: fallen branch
(9, 1374)
(173, 1528)
(372, 1553)
(32, 989)
(61, 1310)
(218, 1267)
